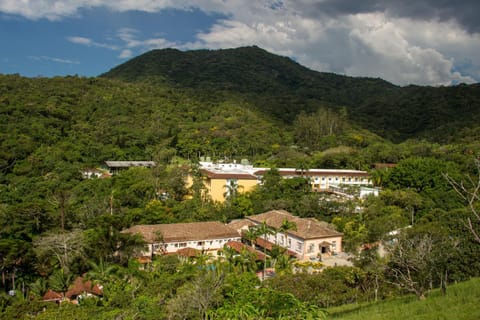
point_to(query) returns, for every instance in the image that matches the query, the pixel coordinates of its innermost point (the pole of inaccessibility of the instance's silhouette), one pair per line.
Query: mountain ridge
(283, 88)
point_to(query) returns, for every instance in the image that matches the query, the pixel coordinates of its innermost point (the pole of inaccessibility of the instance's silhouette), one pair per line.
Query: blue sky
(90, 43)
(405, 42)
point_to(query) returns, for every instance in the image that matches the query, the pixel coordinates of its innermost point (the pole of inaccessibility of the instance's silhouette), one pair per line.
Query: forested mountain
(173, 107)
(281, 87)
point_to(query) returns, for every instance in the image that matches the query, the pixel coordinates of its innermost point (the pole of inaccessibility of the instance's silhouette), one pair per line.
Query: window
(311, 248)
(334, 245)
(182, 244)
(156, 246)
(282, 240)
(200, 243)
(289, 243)
(299, 246)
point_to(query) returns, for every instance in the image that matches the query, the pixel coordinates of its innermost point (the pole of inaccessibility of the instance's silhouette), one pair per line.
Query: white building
(207, 237)
(311, 240)
(320, 179)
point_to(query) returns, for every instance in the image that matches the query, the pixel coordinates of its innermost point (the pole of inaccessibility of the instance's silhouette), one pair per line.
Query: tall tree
(287, 226)
(469, 192)
(264, 230)
(412, 262)
(64, 247)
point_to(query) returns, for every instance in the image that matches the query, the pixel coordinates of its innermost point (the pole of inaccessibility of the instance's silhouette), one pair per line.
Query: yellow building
(220, 185)
(221, 179)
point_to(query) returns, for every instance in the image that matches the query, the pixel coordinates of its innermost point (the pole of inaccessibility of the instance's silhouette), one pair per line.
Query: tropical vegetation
(419, 144)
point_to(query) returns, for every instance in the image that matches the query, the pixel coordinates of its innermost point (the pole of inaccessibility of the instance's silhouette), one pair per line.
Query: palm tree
(39, 287)
(283, 264)
(251, 235)
(285, 227)
(60, 281)
(101, 271)
(265, 230)
(247, 260)
(229, 256)
(231, 189)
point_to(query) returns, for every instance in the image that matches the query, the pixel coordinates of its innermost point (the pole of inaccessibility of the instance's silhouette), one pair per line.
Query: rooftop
(243, 171)
(238, 246)
(307, 228)
(128, 164)
(177, 232)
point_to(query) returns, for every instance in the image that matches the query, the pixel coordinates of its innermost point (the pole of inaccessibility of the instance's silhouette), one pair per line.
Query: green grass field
(461, 302)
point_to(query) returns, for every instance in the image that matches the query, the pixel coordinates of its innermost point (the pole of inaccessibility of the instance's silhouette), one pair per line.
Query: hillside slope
(280, 87)
(461, 302)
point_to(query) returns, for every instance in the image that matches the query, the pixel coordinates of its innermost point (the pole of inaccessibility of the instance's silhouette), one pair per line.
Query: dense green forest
(283, 88)
(174, 107)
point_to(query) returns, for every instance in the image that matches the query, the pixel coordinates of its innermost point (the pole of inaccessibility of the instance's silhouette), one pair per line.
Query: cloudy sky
(425, 42)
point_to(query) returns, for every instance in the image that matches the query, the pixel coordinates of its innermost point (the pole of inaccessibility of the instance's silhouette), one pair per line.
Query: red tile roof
(144, 260)
(80, 286)
(228, 175)
(188, 252)
(51, 295)
(315, 172)
(240, 224)
(307, 228)
(269, 246)
(177, 232)
(238, 246)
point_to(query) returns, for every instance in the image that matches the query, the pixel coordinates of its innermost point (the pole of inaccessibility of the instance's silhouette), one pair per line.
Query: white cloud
(130, 43)
(370, 44)
(360, 40)
(90, 43)
(55, 59)
(80, 40)
(384, 49)
(131, 40)
(126, 53)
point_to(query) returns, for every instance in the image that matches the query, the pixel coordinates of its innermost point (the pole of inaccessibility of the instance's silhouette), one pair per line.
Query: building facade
(220, 177)
(207, 237)
(312, 239)
(115, 167)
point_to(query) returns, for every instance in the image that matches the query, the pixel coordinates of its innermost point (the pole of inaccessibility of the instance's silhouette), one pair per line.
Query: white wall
(207, 245)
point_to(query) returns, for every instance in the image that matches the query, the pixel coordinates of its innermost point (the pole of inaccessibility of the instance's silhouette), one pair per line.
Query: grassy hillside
(461, 302)
(280, 87)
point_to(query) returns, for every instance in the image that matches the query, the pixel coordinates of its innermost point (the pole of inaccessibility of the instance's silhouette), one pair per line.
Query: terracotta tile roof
(80, 286)
(240, 224)
(238, 246)
(228, 175)
(177, 232)
(51, 295)
(307, 228)
(144, 260)
(316, 172)
(269, 246)
(188, 252)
